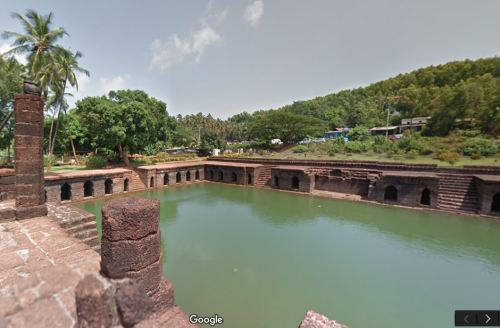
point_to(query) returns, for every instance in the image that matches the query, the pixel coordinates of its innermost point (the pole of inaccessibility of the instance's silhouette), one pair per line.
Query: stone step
(454, 189)
(92, 241)
(455, 184)
(458, 205)
(81, 227)
(85, 234)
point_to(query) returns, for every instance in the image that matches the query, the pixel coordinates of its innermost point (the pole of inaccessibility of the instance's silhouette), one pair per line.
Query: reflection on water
(261, 258)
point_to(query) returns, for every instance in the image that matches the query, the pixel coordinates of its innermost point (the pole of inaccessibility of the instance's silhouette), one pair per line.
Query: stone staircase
(136, 184)
(264, 180)
(78, 223)
(457, 193)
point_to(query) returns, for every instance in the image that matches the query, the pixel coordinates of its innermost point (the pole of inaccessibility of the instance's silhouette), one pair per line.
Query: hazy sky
(224, 57)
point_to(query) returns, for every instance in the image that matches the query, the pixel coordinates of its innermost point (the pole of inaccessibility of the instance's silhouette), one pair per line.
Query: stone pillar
(131, 247)
(28, 148)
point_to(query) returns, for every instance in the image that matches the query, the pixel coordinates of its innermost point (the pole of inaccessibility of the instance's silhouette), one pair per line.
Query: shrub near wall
(96, 162)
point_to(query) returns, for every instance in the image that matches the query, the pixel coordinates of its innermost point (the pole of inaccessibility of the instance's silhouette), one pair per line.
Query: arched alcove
(65, 192)
(126, 185)
(188, 176)
(425, 199)
(221, 176)
(495, 204)
(178, 177)
(165, 179)
(108, 187)
(88, 189)
(391, 193)
(234, 177)
(276, 181)
(197, 175)
(249, 181)
(295, 183)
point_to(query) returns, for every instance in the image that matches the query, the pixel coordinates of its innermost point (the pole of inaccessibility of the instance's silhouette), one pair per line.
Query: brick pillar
(28, 148)
(131, 247)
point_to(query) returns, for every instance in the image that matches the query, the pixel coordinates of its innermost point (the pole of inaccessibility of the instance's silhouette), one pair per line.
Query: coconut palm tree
(38, 41)
(67, 66)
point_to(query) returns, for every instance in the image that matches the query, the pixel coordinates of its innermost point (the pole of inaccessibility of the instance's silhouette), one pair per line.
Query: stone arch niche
(391, 193)
(425, 199)
(221, 176)
(126, 185)
(295, 183)
(234, 177)
(65, 192)
(249, 181)
(152, 182)
(88, 189)
(197, 175)
(108, 187)
(165, 179)
(188, 176)
(495, 204)
(276, 181)
(211, 175)
(178, 177)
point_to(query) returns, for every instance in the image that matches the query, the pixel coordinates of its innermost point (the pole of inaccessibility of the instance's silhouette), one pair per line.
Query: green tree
(358, 133)
(127, 120)
(210, 139)
(285, 126)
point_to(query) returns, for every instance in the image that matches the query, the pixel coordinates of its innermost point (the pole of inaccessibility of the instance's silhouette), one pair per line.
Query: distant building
(382, 130)
(416, 123)
(338, 132)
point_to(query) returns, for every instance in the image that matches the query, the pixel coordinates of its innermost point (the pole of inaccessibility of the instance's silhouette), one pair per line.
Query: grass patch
(67, 168)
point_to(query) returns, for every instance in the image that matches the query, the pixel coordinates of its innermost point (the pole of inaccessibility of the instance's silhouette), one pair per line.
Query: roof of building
(417, 118)
(383, 128)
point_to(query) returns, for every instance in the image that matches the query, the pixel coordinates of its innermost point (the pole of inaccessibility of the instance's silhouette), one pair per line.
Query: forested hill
(456, 90)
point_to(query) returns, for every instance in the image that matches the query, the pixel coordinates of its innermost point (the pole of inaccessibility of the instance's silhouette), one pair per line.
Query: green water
(363, 265)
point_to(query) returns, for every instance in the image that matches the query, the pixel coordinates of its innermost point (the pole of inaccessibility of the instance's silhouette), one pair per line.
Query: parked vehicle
(305, 141)
(276, 142)
(319, 140)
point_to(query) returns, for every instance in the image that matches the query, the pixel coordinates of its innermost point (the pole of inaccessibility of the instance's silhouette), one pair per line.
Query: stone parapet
(28, 149)
(130, 291)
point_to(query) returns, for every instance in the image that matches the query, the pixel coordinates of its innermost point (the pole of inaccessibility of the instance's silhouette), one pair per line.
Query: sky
(224, 57)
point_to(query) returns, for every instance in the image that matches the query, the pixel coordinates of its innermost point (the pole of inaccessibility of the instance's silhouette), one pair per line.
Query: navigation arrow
(466, 318)
(488, 319)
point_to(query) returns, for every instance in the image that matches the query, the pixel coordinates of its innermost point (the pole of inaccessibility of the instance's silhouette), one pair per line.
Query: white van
(276, 142)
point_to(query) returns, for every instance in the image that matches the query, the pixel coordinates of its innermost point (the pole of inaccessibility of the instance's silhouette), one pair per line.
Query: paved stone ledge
(39, 269)
(84, 174)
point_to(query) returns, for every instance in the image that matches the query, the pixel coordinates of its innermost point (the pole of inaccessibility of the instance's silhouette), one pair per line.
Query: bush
(379, 139)
(162, 156)
(357, 147)
(358, 133)
(450, 157)
(299, 149)
(390, 153)
(96, 162)
(46, 160)
(412, 154)
(331, 153)
(475, 156)
(480, 146)
(261, 152)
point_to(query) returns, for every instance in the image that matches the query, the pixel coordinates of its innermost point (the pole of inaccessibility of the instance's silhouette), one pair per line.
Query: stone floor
(40, 266)
(39, 269)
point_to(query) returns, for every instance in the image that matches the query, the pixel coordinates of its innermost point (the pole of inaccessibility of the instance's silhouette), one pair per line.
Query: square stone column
(28, 148)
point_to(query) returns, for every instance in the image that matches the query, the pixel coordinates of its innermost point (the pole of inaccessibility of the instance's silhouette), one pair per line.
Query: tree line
(129, 121)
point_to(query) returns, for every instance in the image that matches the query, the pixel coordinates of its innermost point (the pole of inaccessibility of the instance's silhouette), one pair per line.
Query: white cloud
(202, 39)
(116, 83)
(175, 50)
(254, 12)
(20, 58)
(165, 54)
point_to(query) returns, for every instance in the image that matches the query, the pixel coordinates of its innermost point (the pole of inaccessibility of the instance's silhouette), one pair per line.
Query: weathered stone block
(29, 129)
(149, 277)
(132, 303)
(130, 218)
(164, 299)
(31, 212)
(94, 303)
(130, 255)
(316, 320)
(29, 179)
